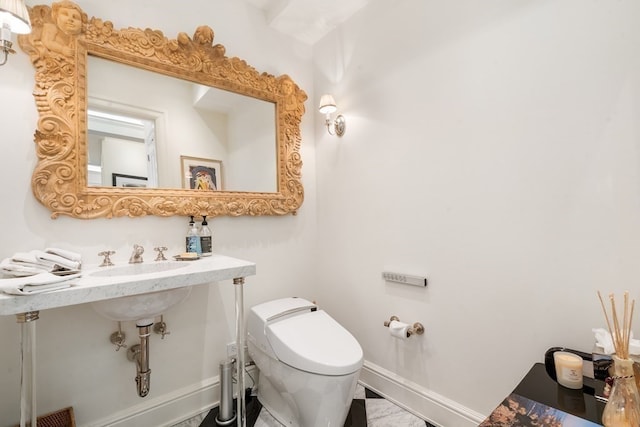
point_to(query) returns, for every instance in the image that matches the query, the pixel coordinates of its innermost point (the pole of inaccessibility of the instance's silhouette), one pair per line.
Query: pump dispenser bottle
(193, 239)
(205, 237)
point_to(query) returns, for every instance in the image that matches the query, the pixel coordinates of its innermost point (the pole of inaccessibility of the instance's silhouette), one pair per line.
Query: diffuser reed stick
(619, 335)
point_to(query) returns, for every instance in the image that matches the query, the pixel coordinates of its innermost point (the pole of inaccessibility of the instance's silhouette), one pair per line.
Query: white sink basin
(143, 306)
(136, 269)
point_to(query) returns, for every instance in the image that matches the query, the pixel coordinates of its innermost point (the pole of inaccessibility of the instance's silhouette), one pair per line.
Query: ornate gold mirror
(62, 45)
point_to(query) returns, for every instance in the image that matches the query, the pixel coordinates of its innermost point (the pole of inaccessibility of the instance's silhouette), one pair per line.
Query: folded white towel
(17, 268)
(30, 259)
(39, 283)
(47, 258)
(37, 289)
(73, 256)
(26, 257)
(23, 264)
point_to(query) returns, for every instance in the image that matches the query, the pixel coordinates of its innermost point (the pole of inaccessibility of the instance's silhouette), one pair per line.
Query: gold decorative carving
(58, 46)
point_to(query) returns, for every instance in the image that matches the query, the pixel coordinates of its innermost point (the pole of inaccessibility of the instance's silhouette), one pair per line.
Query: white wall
(253, 146)
(77, 366)
(494, 147)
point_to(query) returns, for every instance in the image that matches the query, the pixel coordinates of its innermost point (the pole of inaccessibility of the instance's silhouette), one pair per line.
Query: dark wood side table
(539, 388)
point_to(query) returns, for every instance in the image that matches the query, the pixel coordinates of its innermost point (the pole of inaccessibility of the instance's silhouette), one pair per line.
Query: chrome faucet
(136, 256)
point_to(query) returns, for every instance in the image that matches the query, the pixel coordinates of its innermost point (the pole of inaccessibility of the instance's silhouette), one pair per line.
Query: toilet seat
(314, 342)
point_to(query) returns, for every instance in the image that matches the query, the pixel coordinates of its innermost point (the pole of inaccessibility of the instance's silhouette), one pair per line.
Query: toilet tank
(261, 314)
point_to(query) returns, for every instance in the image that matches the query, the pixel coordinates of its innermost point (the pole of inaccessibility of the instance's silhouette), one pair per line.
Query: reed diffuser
(623, 407)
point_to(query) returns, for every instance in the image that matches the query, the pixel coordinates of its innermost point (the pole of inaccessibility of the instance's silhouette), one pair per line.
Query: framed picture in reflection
(129, 181)
(201, 174)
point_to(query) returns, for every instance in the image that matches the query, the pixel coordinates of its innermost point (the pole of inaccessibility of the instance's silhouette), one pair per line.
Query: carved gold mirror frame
(59, 56)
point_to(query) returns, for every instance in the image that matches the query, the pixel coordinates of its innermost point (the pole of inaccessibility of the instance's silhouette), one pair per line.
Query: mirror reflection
(184, 135)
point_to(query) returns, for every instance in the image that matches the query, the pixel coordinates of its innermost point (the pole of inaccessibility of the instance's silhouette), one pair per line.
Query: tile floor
(367, 410)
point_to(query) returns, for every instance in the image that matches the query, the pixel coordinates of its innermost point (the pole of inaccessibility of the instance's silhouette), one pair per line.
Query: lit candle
(568, 369)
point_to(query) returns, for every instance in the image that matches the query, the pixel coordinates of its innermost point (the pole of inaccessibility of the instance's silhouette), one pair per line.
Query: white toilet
(309, 364)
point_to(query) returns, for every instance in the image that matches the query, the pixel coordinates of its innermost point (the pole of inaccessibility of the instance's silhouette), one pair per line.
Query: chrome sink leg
(28, 411)
(240, 401)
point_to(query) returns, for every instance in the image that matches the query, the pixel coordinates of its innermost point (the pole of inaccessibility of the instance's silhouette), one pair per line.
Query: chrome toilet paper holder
(417, 328)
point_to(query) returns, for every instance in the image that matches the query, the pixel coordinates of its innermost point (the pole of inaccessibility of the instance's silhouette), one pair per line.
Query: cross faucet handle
(106, 262)
(160, 251)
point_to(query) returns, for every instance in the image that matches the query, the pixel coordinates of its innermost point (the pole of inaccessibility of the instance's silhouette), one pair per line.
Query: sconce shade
(14, 13)
(327, 104)
(327, 107)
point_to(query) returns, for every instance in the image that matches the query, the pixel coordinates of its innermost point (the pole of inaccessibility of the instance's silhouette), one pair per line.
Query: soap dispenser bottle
(205, 237)
(193, 239)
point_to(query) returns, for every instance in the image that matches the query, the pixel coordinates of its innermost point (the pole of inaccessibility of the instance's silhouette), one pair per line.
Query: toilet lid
(316, 343)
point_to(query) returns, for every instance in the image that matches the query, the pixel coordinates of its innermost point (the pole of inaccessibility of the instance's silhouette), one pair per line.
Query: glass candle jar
(568, 369)
(623, 407)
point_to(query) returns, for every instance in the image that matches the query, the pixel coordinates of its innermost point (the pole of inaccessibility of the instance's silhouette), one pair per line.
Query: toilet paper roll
(399, 329)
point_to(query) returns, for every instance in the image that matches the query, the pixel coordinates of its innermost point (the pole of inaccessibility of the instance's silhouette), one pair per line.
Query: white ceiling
(307, 20)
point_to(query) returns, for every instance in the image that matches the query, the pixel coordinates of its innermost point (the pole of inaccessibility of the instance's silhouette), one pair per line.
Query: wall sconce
(328, 106)
(14, 18)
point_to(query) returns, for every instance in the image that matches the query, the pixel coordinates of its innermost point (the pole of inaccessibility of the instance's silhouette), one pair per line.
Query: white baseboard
(187, 402)
(168, 409)
(416, 399)
(171, 408)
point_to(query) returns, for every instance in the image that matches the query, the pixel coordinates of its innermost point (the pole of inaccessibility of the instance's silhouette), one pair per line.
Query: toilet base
(313, 401)
(272, 401)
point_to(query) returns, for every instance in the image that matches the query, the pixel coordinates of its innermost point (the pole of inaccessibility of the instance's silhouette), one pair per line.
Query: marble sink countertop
(95, 288)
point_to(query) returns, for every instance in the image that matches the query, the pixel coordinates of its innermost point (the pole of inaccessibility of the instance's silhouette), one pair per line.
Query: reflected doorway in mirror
(121, 141)
(201, 174)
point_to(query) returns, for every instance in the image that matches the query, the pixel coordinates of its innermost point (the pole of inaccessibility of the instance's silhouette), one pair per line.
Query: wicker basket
(61, 418)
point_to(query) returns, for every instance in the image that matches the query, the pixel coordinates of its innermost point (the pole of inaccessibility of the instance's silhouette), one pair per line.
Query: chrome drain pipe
(140, 354)
(143, 379)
